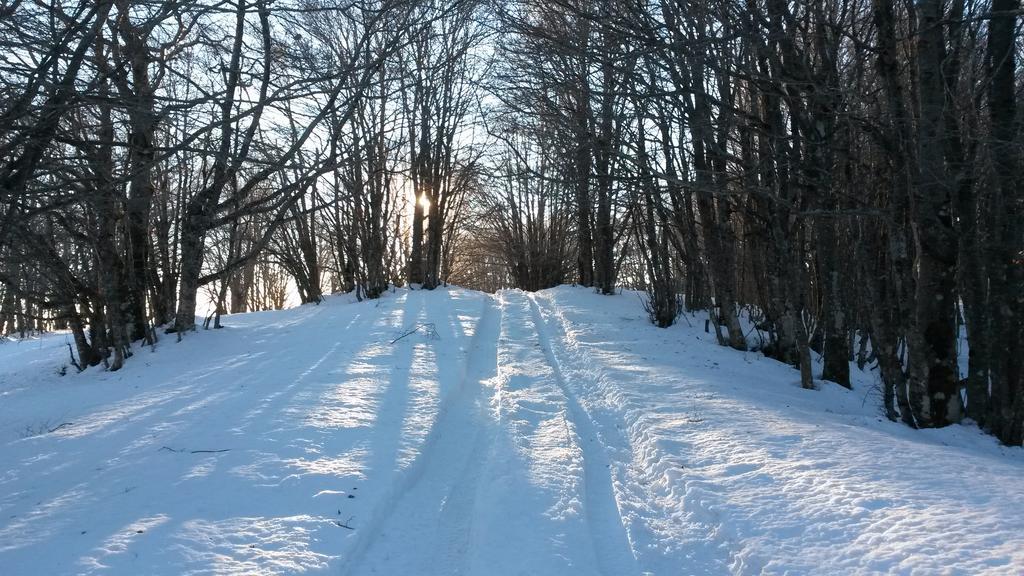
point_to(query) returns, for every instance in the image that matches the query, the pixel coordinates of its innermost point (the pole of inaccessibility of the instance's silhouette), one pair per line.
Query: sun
(424, 202)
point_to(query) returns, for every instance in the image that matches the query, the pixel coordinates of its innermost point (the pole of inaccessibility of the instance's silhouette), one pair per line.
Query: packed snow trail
(452, 432)
(516, 481)
(427, 526)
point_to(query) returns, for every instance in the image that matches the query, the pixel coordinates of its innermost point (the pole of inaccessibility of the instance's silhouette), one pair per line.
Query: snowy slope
(725, 465)
(556, 433)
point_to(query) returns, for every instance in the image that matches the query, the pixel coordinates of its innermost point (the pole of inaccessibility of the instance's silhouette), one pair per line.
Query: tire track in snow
(424, 522)
(612, 547)
(669, 504)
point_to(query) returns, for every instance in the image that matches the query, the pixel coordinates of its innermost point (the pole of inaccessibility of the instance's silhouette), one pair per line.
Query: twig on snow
(429, 329)
(196, 451)
(74, 362)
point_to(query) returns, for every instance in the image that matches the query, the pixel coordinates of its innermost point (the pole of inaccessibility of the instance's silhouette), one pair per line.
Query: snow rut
(668, 512)
(604, 519)
(548, 466)
(423, 524)
(513, 477)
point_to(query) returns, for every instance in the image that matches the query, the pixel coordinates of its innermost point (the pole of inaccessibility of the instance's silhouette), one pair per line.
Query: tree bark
(933, 377)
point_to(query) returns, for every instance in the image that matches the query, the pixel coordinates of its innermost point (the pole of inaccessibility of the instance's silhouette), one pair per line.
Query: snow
(549, 433)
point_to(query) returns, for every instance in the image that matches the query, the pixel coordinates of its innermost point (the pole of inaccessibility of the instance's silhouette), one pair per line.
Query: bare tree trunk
(141, 150)
(1006, 407)
(893, 311)
(87, 355)
(933, 376)
(199, 212)
(606, 144)
(110, 270)
(581, 177)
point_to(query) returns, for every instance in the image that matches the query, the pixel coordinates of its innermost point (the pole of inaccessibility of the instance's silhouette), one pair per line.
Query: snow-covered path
(513, 460)
(428, 524)
(543, 434)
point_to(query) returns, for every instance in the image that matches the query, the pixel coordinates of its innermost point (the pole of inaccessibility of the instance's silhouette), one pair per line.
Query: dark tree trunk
(933, 377)
(1006, 405)
(581, 177)
(141, 149)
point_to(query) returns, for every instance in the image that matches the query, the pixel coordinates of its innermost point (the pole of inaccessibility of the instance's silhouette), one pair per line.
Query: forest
(846, 174)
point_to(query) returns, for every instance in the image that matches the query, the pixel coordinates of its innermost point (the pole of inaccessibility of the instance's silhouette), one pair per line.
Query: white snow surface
(542, 434)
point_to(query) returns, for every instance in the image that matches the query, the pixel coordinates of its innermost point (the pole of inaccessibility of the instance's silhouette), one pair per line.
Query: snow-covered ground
(542, 434)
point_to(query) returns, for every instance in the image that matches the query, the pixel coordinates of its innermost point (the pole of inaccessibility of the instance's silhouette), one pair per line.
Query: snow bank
(727, 466)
